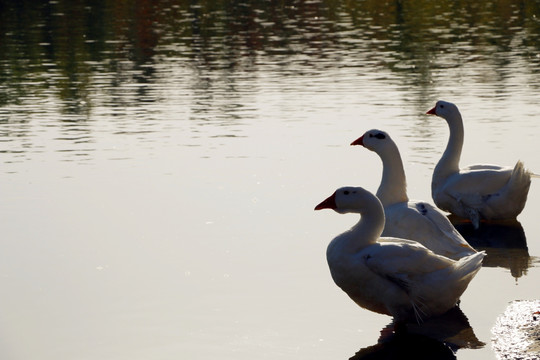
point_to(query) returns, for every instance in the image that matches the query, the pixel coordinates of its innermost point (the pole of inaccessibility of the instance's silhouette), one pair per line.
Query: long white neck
(393, 187)
(449, 162)
(366, 232)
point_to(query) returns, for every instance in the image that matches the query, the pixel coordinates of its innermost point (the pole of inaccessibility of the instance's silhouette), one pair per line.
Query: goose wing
(403, 262)
(423, 222)
(471, 186)
(441, 222)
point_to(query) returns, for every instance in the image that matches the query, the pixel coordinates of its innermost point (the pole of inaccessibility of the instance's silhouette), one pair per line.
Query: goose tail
(467, 267)
(518, 185)
(522, 175)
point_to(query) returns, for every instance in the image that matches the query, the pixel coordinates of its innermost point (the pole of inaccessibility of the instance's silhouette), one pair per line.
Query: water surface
(161, 161)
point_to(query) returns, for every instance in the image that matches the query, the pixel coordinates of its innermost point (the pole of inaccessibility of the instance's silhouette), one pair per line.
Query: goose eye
(346, 192)
(380, 136)
(370, 135)
(441, 106)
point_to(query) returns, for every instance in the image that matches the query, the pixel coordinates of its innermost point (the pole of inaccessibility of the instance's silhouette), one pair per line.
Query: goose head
(444, 109)
(350, 199)
(374, 140)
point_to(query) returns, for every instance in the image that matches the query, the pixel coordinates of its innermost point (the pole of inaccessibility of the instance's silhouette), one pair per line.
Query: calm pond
(160, 162)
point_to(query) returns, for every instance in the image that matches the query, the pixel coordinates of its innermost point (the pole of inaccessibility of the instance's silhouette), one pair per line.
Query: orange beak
(329, 203)
(359, 141)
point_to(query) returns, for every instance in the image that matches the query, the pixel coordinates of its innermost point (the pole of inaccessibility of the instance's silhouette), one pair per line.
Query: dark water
(161, 161)
(103, 59)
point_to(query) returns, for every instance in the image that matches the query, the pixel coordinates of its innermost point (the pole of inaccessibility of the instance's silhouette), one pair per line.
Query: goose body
(476, 192)
(410, 219)
(388, 275)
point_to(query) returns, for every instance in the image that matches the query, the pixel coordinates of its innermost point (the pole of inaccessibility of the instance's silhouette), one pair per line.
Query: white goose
(392, 276)
(476, 192)
(410, 219)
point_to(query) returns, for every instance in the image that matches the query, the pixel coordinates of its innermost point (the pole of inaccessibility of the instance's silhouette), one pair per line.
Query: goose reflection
(504, 243)
(436, 338)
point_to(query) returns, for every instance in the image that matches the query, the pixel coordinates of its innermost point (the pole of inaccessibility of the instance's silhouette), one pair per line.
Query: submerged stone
(517, 331)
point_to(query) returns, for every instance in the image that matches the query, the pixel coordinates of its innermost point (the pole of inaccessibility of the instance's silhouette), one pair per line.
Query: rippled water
(161, 161)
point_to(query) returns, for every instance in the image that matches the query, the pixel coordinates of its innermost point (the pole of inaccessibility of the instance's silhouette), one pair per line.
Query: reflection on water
(406, 346)
(119, 68)
(504, 243)
(73, 72)
(80, 58)
(436, 338)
